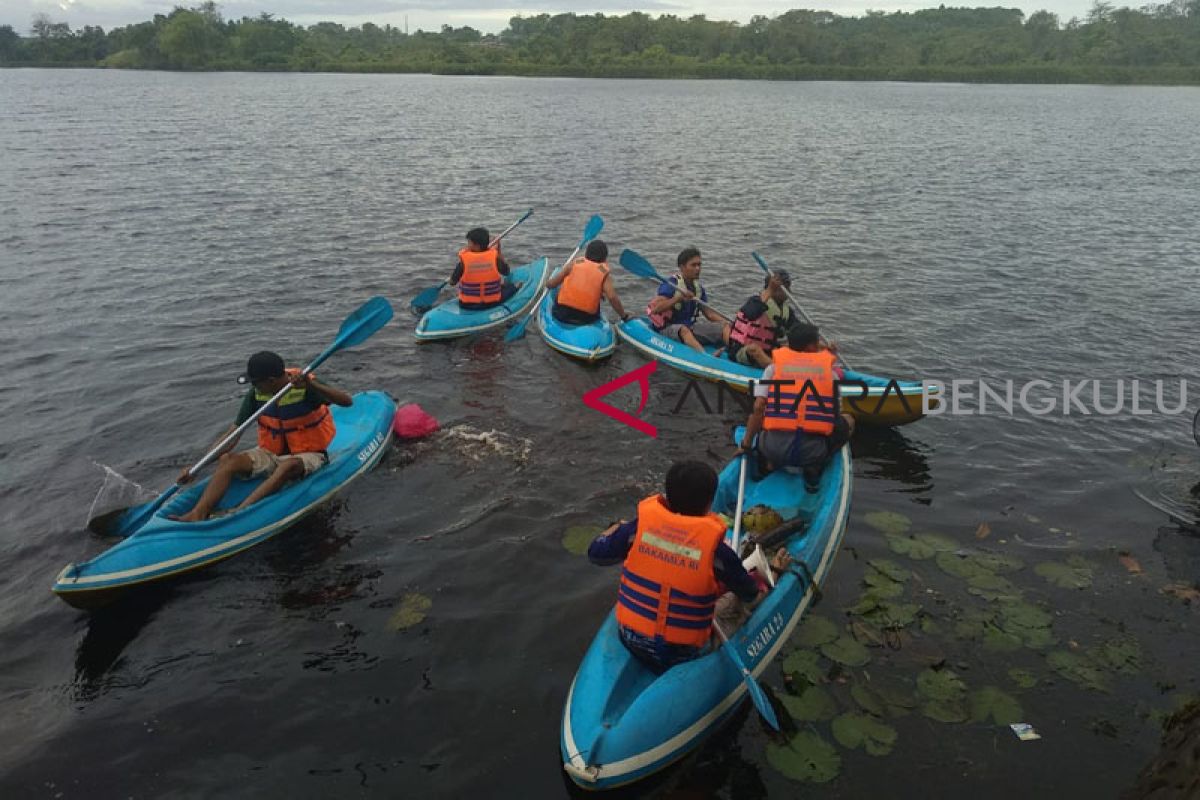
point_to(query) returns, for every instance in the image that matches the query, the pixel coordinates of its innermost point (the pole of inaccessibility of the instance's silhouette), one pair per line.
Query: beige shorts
(263, 461)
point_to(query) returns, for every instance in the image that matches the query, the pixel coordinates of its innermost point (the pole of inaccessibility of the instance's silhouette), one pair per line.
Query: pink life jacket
(761, 331)
(667, 317)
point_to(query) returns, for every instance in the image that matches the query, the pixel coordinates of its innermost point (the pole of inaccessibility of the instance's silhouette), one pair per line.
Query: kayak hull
(164, 548)
(621, 723)
(449, 320)
(588, 343)
(870, 399)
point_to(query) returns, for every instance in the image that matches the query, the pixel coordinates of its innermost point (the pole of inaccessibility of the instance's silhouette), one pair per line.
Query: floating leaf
(814, 704)
(1130, 563)
(1078, 670)
(867, 699)
(412, 611)
(846, 651)
(889, 570)
(990, 702)
(960, 566)
(815, 631)
(1023, 678)
(1065, 575)
(1025, 616)
(804, 663)
(1122, 655)
(806, 757)
(882, 612)
(941, 684)
(576, 539)
(998, 640)
(884, 589)
(911, 547)
(1188, 594)
(888, 522)
(861, 730)
(990, 586)
(945, 710)
(997, 562)
(983, 531)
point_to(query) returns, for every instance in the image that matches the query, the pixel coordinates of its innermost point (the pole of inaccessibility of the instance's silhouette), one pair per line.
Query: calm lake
(157, 228)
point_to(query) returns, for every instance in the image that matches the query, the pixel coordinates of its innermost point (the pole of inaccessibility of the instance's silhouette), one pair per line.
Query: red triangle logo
(641, 376)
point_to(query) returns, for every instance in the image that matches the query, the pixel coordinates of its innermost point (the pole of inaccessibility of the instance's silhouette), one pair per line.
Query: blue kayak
(870, 399)
(449, 320)
(585, 342)
(164, 547)
(622, 723)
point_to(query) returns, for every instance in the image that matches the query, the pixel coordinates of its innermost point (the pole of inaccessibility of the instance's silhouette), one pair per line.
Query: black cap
(262, 365)
(784, 278)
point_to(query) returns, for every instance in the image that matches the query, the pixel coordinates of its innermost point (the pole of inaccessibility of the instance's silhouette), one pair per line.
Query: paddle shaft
(791, 299)
(741, 498)
(661, 281)
(756, 693)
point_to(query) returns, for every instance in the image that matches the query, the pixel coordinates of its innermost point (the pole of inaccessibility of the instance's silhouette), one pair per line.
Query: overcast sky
(489, 17)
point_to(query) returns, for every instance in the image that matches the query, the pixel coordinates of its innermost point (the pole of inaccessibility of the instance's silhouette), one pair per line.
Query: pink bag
(411, 422)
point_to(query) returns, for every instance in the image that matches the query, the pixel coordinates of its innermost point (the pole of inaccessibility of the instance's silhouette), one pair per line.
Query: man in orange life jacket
(796, 408)
(675, 312)
(481, 273)
(676, 566)
(583, 282)
(293, 433)
(761, 324)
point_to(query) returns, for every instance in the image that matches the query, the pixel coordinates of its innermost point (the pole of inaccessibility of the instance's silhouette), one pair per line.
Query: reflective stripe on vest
(807, 401)
(581, 289)
(481, 280)
(294, 424)
(762, 331)
(683, 312)
(668, 589)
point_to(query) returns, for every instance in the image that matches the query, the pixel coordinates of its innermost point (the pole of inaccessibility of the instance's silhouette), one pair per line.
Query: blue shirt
(605, 551)
(686, 311)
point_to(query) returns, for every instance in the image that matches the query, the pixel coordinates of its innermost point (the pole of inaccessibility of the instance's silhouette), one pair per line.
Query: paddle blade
(518, 331)
(633, 261)
(591, 230)
(128, 521)
(363, 323)
(760, 700)
(425, 300)
(761, 262)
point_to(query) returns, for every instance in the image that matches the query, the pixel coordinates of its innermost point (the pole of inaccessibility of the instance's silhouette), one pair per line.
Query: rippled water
(157, 228)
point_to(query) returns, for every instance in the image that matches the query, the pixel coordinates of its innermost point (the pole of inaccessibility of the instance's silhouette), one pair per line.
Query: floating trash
(1024, 731)
(412, 611)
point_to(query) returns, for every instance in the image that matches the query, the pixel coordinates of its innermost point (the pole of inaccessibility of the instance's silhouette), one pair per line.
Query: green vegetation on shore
(1157, 44)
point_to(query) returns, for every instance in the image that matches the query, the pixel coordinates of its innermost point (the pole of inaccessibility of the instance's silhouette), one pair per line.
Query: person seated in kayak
(293, 433)
(675, 312)
(481, 273)
(761, 323)
(796, 408)
(676, 567)
(583, 282)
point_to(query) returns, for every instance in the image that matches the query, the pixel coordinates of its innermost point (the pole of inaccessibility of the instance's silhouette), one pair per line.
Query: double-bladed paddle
(635, 263)
(756, 693)
(762, 263)
(425, 299)
(357, 328)
(590, 231)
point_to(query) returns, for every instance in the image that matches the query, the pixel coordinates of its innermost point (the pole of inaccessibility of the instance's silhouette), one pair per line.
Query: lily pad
(862, 730)
(885, 588)
(998, 562)
(886, 614)
(910, 546)
(949, 711)
(1075, 574)
(814, 704)
(868, 700)
(888, 522)
(883, 570)
(1022, 678)
(412, 610)
(846, 651)
(1078, 670)
(993, 587)
(1024, 615)
(806, 757)
(991, 703)
(998, 640)
(1122, 655)
(941, 684)
(960, 565)
(576, 539)
(804, 663)
(815, 631)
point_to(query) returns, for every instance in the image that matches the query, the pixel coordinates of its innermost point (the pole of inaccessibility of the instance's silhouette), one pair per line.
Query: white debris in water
(117, 491)
(477, 445)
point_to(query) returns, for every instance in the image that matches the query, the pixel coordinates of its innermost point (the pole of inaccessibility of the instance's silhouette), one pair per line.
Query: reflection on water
(889, 454)
(109, 631)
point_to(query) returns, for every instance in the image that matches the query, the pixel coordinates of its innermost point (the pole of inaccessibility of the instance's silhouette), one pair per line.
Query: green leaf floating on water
(814, 704)
(846, 651)
(412, 611)
(804, 663)
(941, 684)
(868, 700)
(815, 631)
(883, 569)
(576, 539)
(991, 703)
(883, 698)
(961, 566)
(1075, 574)
(1023, 678)
(884, 588)
(806, 757)
(888, 522)
(1028, 623)
(997, 562)
(921, 546)
(861, 730)
(990, 586)
(949, 711)
(882, 612)
(1122, 655)
(1078, 670)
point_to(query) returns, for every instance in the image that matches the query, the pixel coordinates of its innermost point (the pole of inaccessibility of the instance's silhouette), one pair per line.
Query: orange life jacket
(761, 331)
(481, 280)
(582, 288)
(668, 590)
(294, 424)
(806, 402)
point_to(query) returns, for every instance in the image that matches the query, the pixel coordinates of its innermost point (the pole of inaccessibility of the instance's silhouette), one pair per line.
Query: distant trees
(1157, 42)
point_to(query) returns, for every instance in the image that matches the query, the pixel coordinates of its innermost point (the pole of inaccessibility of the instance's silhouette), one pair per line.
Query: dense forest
(1152, 44)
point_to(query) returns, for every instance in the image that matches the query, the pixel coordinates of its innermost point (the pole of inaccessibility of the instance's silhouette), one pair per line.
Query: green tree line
(1152, 44)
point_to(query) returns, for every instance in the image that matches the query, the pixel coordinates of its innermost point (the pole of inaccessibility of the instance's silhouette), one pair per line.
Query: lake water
(157, 228)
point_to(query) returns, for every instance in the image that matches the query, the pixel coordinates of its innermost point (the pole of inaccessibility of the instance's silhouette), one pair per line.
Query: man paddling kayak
(796, 408)
(481, 273)
(293, 434)
(674, 311)
(676, 566)
(761, 323)
(583, 282)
